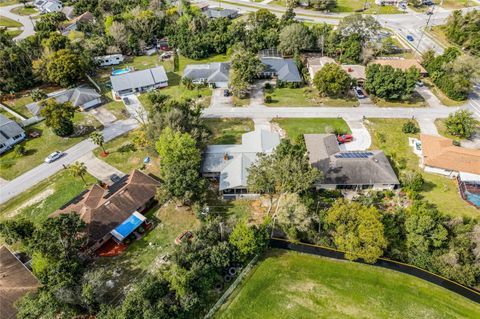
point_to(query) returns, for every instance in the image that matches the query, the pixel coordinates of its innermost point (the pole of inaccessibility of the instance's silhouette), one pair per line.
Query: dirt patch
(277, 129)
(32, 201)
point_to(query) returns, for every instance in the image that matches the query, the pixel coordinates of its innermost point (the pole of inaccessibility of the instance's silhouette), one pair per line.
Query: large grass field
(304, 97)
(13, 165)
(294, 127)
(44, 198)
(387, 135)
(292, 285)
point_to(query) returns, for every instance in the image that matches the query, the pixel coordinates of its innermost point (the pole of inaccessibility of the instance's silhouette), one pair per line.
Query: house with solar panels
(349, 169)
(114, 214)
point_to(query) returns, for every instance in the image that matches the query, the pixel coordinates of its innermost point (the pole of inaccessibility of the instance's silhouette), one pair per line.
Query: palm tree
(98, 139)
(78, 169)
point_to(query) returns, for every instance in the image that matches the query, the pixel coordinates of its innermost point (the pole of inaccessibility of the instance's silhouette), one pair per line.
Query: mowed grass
(228, 131)
(13, 164)
(441, 191)
(128, 161)
(297, 126)
(357, 5)
(293, 285)
(44, 198)
(303, 97)
(9, 23)
(24, 11)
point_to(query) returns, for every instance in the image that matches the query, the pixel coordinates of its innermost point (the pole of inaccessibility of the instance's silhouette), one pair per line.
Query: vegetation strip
(453, 286)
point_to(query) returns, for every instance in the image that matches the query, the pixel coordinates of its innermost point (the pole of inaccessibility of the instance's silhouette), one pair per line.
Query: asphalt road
(27, 22)
(43, 171)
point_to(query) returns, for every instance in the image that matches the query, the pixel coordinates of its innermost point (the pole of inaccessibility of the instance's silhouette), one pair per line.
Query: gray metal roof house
(139, 81)
(349, 169)
(229, 163)
(284, 69)
(215, 73)
(10, 134)
(220, 13)
(83, 97)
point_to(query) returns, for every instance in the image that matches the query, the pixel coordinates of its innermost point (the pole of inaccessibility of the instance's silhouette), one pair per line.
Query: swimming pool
(120, 71)
(473, 198)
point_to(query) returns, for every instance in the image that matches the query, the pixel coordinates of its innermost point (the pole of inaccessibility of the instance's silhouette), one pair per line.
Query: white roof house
(230, 163)
(139, 81)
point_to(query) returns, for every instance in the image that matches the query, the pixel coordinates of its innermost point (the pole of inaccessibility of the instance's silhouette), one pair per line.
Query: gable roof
(104, 209)
(8, 129)
(440, 152)
(348, 168)
(138, 79)
(232, 161)
(285, 69)
(212, 72)
(78, 96)
(402, 64)
(220, 13)
(15, 281)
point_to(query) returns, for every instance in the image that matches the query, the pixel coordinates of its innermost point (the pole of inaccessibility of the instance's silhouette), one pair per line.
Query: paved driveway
(99, 169)
(218, 100)
(136, 109)
(361, 137)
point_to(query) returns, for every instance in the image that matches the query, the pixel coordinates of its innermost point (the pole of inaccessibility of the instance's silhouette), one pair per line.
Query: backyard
(416, 100)
(294, 127)
(303, 97)
(292, 285)
(13, 164)
(387, 135)
(45, 198)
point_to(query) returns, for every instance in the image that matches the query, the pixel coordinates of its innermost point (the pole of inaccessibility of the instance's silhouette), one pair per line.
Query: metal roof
(138, 79)
(8, 129)
(285, 69)
(212, 72)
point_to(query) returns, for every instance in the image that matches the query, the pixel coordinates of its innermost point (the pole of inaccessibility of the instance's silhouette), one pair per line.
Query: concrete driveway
(28, 23)
(218, 100)
(361, 137)
(103, 115)
(99, 169)
(135, 108)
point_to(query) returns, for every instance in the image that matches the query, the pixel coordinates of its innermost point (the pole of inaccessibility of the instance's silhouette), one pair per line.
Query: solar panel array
(354, 155)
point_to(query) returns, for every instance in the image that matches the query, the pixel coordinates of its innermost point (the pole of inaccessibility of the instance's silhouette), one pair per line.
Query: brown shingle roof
(103, 210)
(440, 152)
(402, 64)
(15, 281)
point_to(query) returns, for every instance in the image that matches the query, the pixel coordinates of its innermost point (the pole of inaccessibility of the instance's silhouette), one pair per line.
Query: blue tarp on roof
(128, 226)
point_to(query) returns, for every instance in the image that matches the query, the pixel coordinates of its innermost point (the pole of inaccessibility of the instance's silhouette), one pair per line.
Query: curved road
(27, 22)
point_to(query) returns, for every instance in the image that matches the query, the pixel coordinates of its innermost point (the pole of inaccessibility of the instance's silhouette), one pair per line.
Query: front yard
(13, 165)
(305, 96)
(228, 131)
(441, 191)
(294, 127)
(415, 101)
(293, 285)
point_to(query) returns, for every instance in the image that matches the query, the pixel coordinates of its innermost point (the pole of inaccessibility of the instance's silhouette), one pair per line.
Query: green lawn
(415, 101)
(355, 5)
(24, 11)
(117, 108)
(13, 165)
(228, 131)
(19, 105)
(456, 4)
(295, 127)
(44, 198)
(303, 97)
(128, 161)
(9, 23)
(387, 135)
(441, 96)
(14, 33)
(292, 285)
(4, 3)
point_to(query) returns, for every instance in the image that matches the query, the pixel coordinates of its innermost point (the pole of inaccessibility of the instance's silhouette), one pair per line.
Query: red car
(344, 138)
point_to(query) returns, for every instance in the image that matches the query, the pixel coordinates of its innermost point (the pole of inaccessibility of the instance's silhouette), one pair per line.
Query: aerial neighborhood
(239, 159)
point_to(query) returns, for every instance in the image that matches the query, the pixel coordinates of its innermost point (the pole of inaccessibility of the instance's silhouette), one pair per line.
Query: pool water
(473, 198)
(120, 71)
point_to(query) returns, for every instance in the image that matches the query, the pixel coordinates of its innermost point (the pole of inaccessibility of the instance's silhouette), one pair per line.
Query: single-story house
(16, 280)
(215, 73)
(315, 64)
(138, 81)
(283, 69)
(83, 97)
(439, 155)
(229, 164)
(72, 25)
(48, 6)
(402, 64)
(10, 134)
(390, 2)
(108, 60)
(348, 169)
(356, 72)
(113, 213)
(220, 13)
(202, 6)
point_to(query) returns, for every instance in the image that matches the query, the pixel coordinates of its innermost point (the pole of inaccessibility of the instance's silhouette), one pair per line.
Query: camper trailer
(108, 60)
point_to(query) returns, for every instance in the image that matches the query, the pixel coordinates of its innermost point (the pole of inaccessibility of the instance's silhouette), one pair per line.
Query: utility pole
(426, 26)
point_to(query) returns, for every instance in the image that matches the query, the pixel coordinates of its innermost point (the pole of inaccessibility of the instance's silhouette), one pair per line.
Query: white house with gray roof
(83, 97)
(216, 13)
(214, 74)
(138, 81)
(283, 69)
(229, 163)
(10, 134)
(348, 169)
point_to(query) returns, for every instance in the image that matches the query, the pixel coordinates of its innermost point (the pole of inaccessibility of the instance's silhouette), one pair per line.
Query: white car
(359, 93)
(53, 157)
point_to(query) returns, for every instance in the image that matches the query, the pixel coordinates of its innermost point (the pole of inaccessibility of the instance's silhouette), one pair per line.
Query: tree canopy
(58, 116)
(332, 80)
